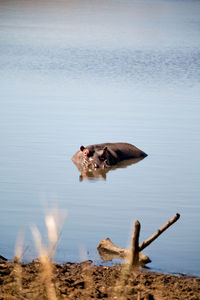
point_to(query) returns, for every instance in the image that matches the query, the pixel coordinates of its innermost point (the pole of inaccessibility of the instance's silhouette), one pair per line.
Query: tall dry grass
(42, 285)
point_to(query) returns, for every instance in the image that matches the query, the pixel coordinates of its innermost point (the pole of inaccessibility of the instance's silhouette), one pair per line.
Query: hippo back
(120, 150)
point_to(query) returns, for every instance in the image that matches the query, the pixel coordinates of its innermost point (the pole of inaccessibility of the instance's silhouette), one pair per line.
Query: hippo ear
(82, 148)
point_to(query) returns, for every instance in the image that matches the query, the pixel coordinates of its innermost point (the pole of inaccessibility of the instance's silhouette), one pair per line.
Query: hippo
(106, 155)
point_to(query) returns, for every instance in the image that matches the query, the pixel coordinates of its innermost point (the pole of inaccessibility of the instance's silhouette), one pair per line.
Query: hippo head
(94, 159)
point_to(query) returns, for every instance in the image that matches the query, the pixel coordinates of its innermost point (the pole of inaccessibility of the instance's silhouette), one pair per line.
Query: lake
(84, 72)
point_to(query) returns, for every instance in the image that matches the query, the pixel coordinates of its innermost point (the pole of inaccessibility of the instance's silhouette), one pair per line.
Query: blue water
(83, 72)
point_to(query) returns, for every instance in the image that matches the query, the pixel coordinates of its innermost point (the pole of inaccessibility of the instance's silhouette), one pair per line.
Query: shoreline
(72, 280)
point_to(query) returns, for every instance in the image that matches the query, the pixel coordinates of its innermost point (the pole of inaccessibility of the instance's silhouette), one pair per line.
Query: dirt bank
(86, 281)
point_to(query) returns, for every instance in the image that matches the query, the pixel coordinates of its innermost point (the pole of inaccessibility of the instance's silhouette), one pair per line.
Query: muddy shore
(84, 280)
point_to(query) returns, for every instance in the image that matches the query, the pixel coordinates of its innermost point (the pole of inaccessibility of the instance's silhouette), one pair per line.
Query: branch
(159, 232)
(135, 248)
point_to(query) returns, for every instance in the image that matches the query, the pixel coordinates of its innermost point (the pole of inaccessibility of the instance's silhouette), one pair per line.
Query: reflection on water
(99, 173)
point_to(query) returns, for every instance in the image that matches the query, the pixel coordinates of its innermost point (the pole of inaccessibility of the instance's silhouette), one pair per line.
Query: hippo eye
(90, 153)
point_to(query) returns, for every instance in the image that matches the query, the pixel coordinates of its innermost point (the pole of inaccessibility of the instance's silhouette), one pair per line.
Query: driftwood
(108, 250)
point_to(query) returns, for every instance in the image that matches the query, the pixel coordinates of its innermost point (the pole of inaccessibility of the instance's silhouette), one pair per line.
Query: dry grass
(42, 286)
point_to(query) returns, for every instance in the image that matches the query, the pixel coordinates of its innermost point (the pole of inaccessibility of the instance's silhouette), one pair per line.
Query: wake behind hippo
(105, 155)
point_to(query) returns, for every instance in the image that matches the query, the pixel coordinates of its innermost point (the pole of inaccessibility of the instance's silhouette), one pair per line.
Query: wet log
(108, 251)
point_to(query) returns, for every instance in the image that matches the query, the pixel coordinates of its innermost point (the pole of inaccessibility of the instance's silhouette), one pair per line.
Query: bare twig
(158, 232)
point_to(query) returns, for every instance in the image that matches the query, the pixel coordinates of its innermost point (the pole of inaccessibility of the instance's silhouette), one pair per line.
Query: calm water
(81, 72)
